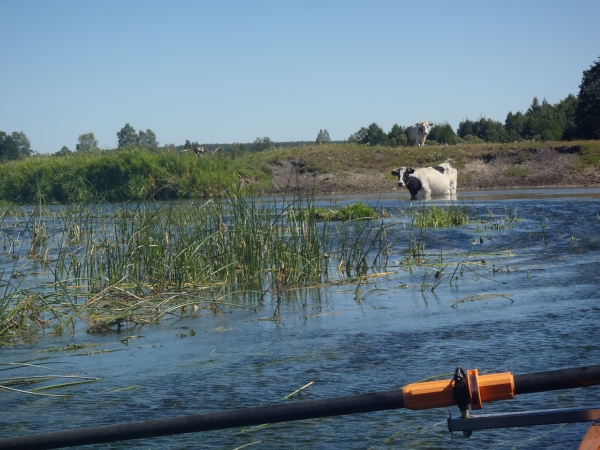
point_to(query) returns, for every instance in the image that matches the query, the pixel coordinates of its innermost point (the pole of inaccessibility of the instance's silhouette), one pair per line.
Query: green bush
(516, 172)
(470, 139)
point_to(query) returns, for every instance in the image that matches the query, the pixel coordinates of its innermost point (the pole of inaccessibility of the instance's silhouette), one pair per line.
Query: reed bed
(109, 265)
(115, 264)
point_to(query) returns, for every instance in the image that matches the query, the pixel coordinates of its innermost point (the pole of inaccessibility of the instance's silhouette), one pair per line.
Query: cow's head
(424, 127)
(403, 174)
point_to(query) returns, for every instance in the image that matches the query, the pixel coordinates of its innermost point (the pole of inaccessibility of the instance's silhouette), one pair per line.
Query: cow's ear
(395, 172)
(411, 170)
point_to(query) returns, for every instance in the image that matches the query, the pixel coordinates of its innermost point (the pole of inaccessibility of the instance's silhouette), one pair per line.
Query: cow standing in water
(417, 133)
(451, 172)
(427, 182)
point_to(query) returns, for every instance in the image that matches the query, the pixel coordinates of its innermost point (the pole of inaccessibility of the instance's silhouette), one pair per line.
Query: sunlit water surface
(529, 302)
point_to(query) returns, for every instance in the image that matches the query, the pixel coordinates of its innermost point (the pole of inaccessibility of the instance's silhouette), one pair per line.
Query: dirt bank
(545, 167)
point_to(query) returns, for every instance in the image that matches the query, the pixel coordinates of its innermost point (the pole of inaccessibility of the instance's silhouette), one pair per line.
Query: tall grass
(345, 213)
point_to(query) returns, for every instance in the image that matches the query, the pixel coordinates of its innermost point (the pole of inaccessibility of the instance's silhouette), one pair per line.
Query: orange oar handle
(438, 394)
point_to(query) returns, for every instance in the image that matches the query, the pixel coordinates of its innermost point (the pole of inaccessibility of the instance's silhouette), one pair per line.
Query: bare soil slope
(546, 167)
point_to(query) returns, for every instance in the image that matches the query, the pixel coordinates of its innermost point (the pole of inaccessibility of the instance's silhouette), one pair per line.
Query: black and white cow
(427, 182)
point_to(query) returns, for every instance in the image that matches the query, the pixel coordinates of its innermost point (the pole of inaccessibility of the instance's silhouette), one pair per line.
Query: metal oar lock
(473, 389)
(463, 390)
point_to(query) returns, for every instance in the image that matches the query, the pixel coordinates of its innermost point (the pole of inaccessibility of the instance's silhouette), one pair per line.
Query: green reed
(356, 243)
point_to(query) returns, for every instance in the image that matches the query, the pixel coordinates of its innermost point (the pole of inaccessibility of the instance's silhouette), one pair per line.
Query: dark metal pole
(284, 412)
(557, 379)
(351, 404)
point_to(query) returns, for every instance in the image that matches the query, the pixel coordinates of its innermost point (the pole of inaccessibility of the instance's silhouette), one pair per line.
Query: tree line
(575, 117)
(14, 145)
(571, 118)
(541, 122)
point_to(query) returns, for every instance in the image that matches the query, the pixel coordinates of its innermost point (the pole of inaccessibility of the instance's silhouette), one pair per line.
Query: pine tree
(587, 113)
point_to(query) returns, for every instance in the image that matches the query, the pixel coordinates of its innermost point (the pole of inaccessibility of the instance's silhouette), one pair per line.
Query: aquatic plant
(496, 221)
(347, 212)
(434, 216)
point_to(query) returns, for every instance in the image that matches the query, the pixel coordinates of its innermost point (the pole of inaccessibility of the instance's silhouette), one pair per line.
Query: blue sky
(231, 71)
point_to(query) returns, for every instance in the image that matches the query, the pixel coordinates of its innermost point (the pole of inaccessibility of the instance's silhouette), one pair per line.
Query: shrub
(470, 139)
(516, 172)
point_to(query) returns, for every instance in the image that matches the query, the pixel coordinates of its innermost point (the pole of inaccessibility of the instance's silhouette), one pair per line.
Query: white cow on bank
(427, 182)
(417, 133)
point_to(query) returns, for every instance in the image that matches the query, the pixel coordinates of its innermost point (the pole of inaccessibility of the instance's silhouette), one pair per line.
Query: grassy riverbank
(122, 175)
(131, 175)
(355, 169)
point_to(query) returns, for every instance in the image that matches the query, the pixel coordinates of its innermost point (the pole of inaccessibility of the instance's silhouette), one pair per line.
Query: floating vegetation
(297, 391)
(98, 352)
(68, 347)
(355, 211)
(14, 383)
(479, 297)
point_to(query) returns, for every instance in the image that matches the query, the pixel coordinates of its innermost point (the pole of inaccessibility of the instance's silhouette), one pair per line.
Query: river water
(526, 299)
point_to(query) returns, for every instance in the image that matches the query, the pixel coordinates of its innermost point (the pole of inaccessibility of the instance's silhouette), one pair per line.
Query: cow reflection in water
(428, 182)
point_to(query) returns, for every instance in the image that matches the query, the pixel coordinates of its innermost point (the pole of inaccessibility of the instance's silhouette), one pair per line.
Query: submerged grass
(18, 383)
